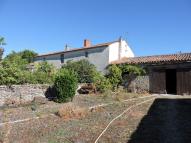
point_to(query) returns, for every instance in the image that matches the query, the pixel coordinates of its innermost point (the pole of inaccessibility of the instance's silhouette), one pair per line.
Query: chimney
(66, 47)
(120, 47)
(87, 43)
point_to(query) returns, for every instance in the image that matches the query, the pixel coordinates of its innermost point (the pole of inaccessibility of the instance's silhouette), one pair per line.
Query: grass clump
(70, 111)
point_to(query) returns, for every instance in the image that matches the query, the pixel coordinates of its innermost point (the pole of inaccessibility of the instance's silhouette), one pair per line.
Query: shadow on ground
(167, 121)
(51, 93)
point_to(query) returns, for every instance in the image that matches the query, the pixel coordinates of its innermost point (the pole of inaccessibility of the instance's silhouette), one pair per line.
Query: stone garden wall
(17, 94)
(138, 84)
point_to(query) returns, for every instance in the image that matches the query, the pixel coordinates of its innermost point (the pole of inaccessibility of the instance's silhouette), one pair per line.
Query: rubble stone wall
(21, 93)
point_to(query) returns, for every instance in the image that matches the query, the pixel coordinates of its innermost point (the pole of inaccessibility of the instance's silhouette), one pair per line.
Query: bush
(85, 71)
(132, 69)
(65, 85)
(114, 76)
(10, 74)
(13, 70)
(29, 77)
(103, 84)
(45, 67)
(37, 78)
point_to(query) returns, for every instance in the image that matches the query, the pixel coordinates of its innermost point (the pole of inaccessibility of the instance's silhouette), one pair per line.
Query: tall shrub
(114, 75)
(85, 71)
(10, 75)
(132, 69)
(103, 84)
(45, 67)
(65, 85)
(11, 71)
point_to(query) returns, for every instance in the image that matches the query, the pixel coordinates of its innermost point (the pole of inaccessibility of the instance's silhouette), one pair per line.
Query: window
(86, 54)
(44, 59)
(62, 58)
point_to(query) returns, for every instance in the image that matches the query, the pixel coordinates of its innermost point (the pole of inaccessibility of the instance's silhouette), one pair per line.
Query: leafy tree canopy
(14, 70)
(27, 55)
(2, 42)
(86, 72)
(132, 69)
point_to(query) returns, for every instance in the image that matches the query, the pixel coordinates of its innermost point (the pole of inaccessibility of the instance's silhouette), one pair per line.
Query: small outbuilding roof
(156, 59)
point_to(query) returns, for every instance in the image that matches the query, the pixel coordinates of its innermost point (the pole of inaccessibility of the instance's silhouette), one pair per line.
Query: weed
(70, 111)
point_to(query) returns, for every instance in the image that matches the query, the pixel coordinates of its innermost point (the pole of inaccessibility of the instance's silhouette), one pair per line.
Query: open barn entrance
(171, 81)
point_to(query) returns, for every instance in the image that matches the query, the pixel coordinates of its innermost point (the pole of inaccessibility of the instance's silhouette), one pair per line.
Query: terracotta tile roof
(171, 58)
(78, 49)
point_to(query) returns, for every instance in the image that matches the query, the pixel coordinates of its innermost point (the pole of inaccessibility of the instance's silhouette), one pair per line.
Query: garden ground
(159, 119)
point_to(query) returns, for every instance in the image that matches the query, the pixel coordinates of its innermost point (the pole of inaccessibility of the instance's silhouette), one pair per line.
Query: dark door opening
(171, 81)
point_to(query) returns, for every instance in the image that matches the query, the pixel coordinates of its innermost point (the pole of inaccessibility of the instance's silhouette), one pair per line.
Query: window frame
(62, 59)
(86, 54)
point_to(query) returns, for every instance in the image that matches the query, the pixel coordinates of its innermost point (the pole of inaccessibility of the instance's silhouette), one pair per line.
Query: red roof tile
(171, 58)
(78, 49)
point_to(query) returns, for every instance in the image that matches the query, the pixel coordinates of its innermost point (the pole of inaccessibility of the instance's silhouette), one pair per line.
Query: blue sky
(150, 26)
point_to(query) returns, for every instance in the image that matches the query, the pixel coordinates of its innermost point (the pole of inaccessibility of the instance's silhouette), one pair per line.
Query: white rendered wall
(124, 52)
(97, 56)
(114, 52)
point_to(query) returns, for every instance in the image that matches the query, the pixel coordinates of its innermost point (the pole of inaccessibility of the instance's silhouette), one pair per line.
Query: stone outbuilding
(169, 74)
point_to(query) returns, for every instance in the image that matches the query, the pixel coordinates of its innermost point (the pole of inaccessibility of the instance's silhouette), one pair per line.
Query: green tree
(86, 72)
(13, 70)
(2, 43)
(28, 55)
(15, 59)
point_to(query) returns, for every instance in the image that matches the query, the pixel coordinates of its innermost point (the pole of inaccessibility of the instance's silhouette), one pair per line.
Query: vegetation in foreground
(63, 120)
(17, 68)
(65, 85)
(75, 124)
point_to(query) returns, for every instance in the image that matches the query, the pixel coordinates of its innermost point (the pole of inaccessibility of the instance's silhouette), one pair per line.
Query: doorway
(171, 81)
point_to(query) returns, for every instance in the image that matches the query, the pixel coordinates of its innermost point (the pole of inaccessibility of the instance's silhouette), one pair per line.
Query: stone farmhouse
(101, 55)
(166, 73)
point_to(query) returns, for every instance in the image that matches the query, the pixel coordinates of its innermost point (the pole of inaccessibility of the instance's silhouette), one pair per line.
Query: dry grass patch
(97, 109)
(71, 111)
(12, 102)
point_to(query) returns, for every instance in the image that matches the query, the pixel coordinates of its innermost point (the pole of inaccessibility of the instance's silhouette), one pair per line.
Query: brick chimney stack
(87, 43)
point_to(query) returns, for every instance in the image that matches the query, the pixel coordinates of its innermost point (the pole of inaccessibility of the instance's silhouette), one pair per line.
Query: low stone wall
(138, 84)
(21, 93)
